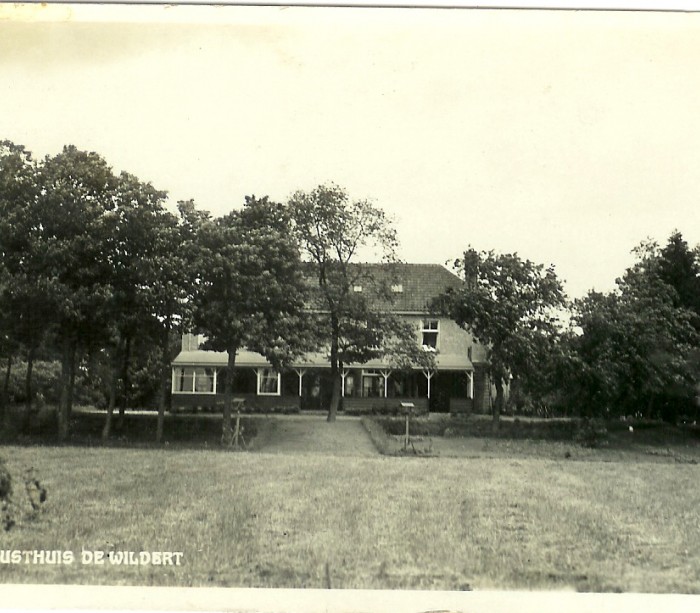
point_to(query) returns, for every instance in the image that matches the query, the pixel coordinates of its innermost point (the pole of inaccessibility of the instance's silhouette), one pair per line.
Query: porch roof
(312, 360)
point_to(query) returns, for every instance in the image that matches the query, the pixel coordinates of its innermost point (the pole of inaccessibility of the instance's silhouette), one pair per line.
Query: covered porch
(198, 382)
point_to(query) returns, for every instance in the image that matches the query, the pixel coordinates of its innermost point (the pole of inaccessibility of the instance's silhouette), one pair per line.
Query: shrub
(28, 505)
(418, 426)
(46, 381)
(378, 435)
(481, 427)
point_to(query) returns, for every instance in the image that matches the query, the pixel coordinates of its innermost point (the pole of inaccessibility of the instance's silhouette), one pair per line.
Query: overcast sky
(566, 136)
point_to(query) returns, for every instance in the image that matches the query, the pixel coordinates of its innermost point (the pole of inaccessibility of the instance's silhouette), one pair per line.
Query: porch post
(385, 374)
(300, 372)
(428, 375)
(343, 374)
(470, 374)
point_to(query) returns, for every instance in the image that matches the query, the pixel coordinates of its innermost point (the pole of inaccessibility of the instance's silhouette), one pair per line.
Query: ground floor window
(372, 384)
(193, 379)
(268, 382)
(404, 385)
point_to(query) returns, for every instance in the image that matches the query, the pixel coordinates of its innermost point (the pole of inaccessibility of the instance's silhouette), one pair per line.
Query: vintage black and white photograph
(350, 298)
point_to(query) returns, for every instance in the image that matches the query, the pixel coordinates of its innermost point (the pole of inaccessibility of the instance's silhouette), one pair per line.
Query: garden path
(309, 434)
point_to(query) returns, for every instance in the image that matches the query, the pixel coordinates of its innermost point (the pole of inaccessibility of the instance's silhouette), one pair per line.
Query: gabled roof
(419, 283)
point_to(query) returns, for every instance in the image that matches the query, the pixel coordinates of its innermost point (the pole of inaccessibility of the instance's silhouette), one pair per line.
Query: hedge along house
(458, 383)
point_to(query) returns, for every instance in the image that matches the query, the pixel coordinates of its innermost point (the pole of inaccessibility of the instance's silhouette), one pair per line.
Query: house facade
(458, 383)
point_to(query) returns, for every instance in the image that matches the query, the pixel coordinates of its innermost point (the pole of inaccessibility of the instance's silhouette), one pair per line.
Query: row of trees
(631, 351)
(95, 269)
(97, 273)
(92, 264)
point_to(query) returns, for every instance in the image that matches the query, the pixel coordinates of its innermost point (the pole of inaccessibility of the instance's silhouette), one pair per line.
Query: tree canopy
(334, 231)
(636, 347)
(512, 306)
(251, 292)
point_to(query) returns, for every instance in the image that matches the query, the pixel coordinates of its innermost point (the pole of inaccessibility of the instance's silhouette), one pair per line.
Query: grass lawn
(281, 519)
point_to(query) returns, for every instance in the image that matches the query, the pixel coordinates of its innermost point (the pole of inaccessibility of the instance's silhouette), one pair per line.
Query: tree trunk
(63, 403)
(5, 400)
(336, 375)
(28, 387)
(227, 430)
(71, 380)
(498, 405)
(125, 381)
(164, 380)
(650, 407)
(107, 429)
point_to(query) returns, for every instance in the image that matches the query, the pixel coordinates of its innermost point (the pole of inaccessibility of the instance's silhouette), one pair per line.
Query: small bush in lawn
(34, 497)
(5, 497)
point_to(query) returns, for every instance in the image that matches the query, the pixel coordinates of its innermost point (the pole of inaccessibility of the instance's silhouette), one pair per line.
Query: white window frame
(426, 327)
(259, 374)
(373, 373)
(176, 377)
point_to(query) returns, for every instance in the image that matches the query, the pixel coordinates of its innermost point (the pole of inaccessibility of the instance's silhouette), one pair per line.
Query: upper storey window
(430, 334)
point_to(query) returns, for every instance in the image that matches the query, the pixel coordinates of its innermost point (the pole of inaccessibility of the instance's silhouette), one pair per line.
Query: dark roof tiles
(419, 284)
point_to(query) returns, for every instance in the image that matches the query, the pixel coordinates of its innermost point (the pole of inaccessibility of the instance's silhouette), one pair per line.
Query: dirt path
(309, 434)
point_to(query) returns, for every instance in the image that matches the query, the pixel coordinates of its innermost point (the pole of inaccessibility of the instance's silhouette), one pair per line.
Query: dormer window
(430, 334)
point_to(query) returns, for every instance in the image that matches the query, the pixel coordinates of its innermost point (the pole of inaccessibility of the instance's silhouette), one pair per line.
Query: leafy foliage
(250, 292)
(11, 509)
(510, 305)
(334, 231)
(635, 351)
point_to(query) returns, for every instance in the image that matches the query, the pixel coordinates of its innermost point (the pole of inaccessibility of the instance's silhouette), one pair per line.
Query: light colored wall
(191, 342)
(451, 338)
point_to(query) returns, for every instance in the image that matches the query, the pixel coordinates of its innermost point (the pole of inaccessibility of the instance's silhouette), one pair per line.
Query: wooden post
(385, 374)
(237, 429)
(407, 407)
(300, 372)
(428, 375)
(344, 373)
(407, 438)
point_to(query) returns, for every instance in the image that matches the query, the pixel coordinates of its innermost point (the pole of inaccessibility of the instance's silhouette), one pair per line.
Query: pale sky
(565, 136)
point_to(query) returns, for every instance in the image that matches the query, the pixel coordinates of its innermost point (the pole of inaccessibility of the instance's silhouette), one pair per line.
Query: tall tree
(250, 293)
(510, 305)
(25, 309)
(175, 275)
(679, 267)
(134, 244)
(334, 231)
(76, 193)
(635, 345)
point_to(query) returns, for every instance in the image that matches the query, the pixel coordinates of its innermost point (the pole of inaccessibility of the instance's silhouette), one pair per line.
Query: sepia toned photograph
(349, 308)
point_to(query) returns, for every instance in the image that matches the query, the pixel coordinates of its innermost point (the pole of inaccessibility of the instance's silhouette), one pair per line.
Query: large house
(458, 383)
